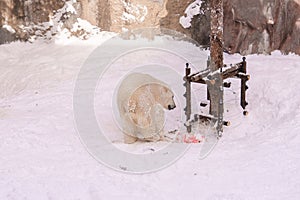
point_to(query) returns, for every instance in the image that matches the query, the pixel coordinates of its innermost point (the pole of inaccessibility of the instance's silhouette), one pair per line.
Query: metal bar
(244, 66)
(244, 78)
(205, 118)
(188, 108)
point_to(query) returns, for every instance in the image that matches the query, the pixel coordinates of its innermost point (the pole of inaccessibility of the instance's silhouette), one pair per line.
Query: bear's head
(164, 96)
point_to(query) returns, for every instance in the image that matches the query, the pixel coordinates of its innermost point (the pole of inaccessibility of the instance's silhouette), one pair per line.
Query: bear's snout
(171, 107)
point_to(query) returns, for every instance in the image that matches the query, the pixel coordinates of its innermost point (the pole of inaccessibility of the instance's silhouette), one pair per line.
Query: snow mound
(42, 157)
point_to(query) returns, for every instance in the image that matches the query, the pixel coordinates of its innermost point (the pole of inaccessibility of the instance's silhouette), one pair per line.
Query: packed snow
(42, 156)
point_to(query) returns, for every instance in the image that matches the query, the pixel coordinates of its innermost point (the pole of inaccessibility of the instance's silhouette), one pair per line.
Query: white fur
(141, 102)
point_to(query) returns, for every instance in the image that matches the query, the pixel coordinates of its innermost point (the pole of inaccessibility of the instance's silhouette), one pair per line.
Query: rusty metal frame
(238, 70)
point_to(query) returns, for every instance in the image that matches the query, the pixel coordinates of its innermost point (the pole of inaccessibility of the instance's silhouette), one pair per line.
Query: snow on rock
(84, 29)
(192, 10)
(63, 24)
(69, 6)
(9, 28)
(134, 12)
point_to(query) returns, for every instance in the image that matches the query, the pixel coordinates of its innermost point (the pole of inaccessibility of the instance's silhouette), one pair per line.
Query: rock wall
(18, 14)
(175, 10)
(262, 26)
(133, 14)
(252, 26)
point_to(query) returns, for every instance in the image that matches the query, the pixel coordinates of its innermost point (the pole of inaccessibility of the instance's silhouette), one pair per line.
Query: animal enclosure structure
(214, 92)
(214, 76)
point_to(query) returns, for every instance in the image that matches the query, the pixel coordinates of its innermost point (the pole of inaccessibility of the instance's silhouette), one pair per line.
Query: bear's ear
(165, 89)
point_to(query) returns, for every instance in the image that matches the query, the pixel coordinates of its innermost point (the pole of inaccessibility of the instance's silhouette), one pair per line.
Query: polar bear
(141, 102)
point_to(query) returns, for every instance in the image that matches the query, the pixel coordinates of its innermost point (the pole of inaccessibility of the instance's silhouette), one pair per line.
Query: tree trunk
(216, 35)
(216, 62)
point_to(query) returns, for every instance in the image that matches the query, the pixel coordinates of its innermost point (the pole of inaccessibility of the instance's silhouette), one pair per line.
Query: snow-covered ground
(42, 157)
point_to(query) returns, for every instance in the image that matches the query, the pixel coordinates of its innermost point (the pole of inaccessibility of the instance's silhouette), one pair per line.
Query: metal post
(244, 87)
(188, 108)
